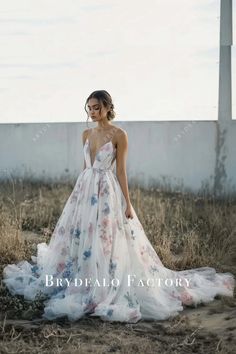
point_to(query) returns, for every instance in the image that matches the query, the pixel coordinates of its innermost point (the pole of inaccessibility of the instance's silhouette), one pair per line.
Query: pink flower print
(107, 242)
(229, 284)
(60, 267)
(104, 232)
(103, 235)
(105, 222)
(90, 304)
(143, 250)
(186, 298)
(104, 186)
(90, 229)
(105, 147)
(134, 315)
(107, 250)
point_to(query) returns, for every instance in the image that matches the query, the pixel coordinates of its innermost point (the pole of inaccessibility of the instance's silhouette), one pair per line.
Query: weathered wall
(176, 155)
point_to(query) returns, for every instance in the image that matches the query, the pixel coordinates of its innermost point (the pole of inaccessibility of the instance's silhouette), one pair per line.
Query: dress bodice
(104, 158)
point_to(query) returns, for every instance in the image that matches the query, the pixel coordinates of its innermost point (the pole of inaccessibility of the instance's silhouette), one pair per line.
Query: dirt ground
(209, 328)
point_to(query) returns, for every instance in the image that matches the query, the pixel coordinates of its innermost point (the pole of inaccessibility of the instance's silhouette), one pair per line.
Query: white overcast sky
(157, 58)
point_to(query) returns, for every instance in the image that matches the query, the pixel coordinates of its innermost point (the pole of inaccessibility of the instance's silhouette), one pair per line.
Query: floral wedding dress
(100, 263)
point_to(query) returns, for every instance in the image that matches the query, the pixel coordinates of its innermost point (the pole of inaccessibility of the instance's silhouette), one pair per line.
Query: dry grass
(186, 231)
(94, 336)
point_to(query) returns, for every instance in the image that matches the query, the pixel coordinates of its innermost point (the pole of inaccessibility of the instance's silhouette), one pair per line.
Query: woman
(99, 261)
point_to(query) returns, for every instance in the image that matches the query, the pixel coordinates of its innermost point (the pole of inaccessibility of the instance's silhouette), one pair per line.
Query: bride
(99, 261)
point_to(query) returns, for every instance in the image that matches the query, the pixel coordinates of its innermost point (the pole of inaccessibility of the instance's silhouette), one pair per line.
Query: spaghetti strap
(110, 134)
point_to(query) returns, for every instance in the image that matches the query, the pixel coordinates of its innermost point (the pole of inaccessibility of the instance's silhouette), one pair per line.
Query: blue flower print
(31, 280)
(106, 211)
(66, 273)
(132, 235)
(106, 190)
(58, 292)
(87, 254)
(109, 312)
(98, 157)
(153, 269)
(55, 291)
(94, 199)
(128, 298)
(69, 264)
(112, 267)
(41, 283)
(72, 230)
(77, 232)
(34, 269)
(68, 269)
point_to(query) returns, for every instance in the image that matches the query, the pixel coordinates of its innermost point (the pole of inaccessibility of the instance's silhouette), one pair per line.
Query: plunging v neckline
(87, 140)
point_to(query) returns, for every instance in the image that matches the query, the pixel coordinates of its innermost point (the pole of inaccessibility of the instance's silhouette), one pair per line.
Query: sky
(159, 59)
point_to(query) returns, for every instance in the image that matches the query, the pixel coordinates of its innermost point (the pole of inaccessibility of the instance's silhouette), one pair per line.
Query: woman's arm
(121, 157)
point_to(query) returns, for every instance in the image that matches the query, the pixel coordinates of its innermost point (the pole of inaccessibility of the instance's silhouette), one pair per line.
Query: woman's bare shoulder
(121, 137)
(85, 134)
(121, 133)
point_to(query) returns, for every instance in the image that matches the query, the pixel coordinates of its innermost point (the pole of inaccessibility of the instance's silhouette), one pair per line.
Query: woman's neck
(103, 125)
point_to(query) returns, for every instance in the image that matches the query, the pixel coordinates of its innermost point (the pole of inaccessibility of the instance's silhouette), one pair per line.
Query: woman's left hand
(129, 212)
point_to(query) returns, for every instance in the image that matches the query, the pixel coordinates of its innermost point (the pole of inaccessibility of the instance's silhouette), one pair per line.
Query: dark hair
(104, 97)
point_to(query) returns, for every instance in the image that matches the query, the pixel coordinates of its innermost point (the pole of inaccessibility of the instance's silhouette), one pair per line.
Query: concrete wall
(199, 156)
(182, 155)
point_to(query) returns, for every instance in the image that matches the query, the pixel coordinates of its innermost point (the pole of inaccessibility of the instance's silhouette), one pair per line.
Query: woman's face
(93, 109)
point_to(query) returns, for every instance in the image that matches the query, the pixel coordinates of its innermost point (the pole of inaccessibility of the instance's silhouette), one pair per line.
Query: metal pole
(224, 100)
(225, 90)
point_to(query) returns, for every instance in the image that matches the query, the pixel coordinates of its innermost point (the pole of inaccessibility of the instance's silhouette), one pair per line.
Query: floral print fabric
(100, 263)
